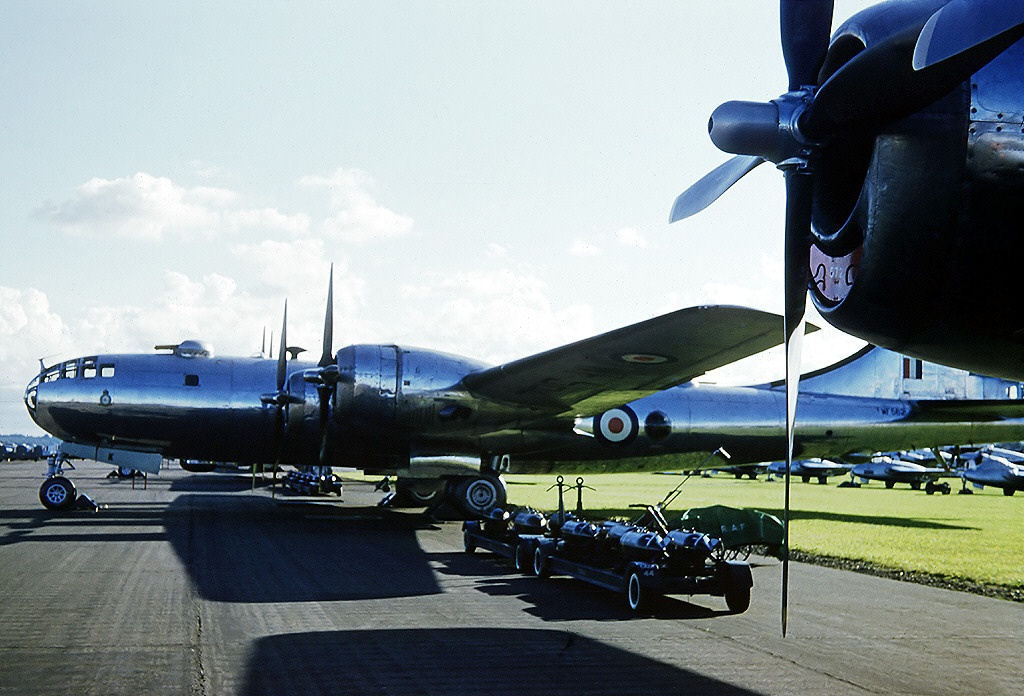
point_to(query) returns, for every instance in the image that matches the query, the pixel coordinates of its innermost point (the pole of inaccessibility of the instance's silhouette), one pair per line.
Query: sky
(490, 179)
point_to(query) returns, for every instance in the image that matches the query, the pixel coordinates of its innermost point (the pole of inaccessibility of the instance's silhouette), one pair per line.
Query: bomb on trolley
(642, 560)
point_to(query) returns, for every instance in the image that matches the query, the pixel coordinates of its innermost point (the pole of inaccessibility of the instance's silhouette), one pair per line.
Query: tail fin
(880, 373)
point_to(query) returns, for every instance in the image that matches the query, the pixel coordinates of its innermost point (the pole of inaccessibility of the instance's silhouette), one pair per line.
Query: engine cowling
(916, 229)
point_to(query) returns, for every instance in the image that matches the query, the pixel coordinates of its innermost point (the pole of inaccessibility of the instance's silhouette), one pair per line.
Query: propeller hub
(769, 130)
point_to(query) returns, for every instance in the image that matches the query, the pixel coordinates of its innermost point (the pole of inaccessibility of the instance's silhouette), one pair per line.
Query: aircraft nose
(32, 394)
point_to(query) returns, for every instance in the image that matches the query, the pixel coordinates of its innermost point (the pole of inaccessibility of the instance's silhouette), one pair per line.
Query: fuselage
(396, 406)
(895, 471)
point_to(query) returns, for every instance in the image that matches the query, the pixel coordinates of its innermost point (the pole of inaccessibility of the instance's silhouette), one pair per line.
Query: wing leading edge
(628, 363)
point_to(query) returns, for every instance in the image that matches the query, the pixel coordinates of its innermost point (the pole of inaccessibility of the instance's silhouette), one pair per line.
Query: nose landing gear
(58, 492)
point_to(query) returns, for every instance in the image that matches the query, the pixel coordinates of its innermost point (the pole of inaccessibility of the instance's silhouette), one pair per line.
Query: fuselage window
(106, 370)
(191, 380)
(88, 368)
(69, 370)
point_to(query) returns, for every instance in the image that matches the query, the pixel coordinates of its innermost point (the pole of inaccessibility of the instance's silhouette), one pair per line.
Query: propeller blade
(327, 357)
(964, 26)
(806, 25)
(712, 185)
(799, 189)
(880, 85)
(324, 396)
(282, 355)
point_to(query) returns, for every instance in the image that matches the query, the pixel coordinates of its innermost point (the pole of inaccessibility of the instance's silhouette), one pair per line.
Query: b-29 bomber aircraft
(447, 427)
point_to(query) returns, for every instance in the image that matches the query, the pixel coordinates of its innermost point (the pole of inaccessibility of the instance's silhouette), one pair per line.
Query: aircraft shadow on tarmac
(462, 661)
(262, 552)
(218, 482)
(918, 523)
(913, 522)
(37, 525)
(562, 598)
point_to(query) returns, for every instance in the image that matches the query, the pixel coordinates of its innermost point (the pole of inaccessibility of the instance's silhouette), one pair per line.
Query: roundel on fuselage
(617, 426)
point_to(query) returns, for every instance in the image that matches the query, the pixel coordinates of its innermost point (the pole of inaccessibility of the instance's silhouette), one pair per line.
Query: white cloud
(143, 206)
(205, 170)
(356, 216)
(583, 248)
(496, 251)
(491, 315)
(631, 237)
(28, 330)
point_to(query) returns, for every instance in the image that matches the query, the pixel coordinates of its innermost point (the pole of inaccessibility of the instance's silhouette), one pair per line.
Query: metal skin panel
(936, 218)
(749, 422)
(146, 405)
(399, 408)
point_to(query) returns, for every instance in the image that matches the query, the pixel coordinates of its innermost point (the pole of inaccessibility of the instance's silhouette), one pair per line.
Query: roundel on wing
(617, 426)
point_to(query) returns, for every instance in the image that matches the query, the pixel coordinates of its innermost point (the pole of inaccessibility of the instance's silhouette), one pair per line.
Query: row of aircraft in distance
(902, 150)
(21, 451)
(994, 465)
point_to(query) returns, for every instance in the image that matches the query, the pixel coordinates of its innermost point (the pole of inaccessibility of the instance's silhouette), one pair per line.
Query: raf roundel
(617, 426)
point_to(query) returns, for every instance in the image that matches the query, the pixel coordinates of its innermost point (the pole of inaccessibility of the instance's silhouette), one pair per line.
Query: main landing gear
(452, 497)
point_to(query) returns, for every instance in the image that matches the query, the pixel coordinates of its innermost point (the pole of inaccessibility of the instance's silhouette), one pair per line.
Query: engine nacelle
(917, 230)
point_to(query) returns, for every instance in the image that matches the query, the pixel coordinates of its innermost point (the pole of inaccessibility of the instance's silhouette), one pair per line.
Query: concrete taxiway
(195, 585)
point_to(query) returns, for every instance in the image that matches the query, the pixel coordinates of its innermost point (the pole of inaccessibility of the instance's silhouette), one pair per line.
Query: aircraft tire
(890, 484)
(738, 600)
(58, 493)
(467, 542)
(1009, 491)
(916, 485)
(477, 495)
(805, 479)
(419, 493)
(822, 480)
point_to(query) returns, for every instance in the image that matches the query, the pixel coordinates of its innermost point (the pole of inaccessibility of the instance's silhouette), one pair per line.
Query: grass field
(977, 537)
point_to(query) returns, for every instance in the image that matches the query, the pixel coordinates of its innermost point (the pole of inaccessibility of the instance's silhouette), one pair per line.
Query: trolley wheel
(541, 566)
(636, 594)
(58, 493)
(521, 558)
(738, 600)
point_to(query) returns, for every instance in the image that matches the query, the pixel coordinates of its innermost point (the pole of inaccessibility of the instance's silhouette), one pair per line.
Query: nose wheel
(58, 493)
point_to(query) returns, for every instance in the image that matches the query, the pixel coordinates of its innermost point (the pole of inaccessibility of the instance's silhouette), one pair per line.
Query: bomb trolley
(642, 559)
